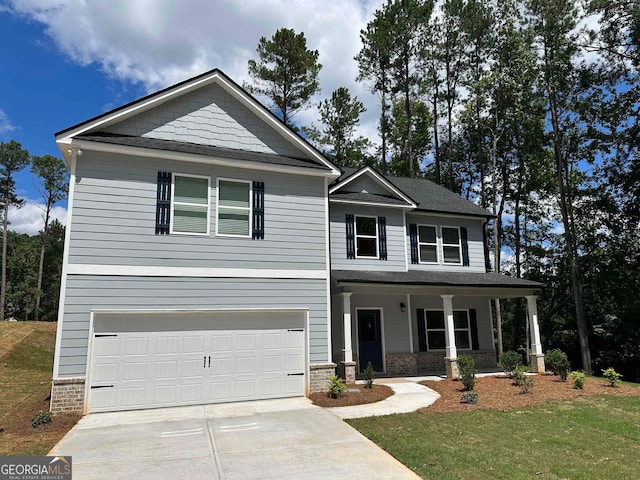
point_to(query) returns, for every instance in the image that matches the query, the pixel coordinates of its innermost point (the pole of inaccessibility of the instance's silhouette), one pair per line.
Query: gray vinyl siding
(474, 236)
(364, 182)
(85, 293)
(480, 304)
(395, 239)
(207, 116)
(114, 213)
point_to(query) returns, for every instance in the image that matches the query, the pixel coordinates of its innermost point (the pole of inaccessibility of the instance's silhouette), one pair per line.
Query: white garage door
(139, 361)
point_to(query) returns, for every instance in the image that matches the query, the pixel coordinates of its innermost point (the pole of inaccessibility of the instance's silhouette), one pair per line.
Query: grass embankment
(26, 363)
(595, 437)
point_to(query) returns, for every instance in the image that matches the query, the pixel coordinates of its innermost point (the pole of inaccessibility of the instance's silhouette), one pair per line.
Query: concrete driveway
(283, 439)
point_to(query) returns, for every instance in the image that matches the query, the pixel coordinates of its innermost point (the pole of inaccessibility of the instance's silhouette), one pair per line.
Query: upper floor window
(451, 245)
(366, 233)
(234, 208)
(190, 204)
(428, 243)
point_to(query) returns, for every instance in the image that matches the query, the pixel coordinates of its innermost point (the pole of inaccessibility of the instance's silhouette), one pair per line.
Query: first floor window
(451, 245)
(190, 204)
(234, 208)
(366, 237)
(435, 328)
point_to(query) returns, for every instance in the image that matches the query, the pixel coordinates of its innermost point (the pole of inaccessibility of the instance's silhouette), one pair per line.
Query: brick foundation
(320, 375)
(347, 371)
(67, 395)
(402, 364)
(537, 362)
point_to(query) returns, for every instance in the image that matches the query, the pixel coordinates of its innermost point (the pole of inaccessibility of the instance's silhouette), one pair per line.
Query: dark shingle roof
(183, 147)
(418, 277)
(367, 197)
(430, 196)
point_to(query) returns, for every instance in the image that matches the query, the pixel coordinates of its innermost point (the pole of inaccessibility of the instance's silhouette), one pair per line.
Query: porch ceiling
(428, 282)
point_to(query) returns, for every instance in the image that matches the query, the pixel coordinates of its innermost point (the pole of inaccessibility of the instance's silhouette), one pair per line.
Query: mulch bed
(499, 393)
(365, 395)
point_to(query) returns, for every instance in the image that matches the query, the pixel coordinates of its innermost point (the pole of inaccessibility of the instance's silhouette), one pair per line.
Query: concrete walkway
(408, 396)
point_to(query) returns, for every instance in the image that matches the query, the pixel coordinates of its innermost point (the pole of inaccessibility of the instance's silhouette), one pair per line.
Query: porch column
(348, 365)
(536, 356)
(451, 352)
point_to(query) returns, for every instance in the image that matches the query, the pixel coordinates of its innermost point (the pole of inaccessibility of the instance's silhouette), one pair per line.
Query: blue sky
(64, 61)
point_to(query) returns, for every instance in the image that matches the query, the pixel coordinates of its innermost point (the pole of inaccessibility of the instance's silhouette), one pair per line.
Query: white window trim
(442, 245)
(355, 235)
(437, 245)
(173, 203)
(427, 329)
(250, 210)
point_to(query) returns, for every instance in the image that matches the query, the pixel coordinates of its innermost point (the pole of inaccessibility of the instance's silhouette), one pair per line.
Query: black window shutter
(351, 241)
(413, 238)
(382, 237)
(473, 323)
(422, 330)
(465, 246)
(258, 210)
(163, 203)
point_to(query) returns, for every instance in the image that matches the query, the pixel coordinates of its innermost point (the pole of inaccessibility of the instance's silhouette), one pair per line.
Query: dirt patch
(363, 396)
(499, 393)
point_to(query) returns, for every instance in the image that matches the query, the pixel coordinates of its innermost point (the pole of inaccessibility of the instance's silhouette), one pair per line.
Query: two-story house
(213, 255)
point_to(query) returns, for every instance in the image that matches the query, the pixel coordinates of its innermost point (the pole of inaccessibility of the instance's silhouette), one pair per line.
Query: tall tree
(54, 183)
(13, 158)
(286, 71)
(340, 115)
(554, 23)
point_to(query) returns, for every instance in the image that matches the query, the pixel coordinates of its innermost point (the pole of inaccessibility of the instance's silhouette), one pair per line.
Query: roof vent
(364, 191)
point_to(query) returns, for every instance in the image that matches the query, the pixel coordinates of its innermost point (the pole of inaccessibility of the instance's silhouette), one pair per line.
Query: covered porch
(417, 323)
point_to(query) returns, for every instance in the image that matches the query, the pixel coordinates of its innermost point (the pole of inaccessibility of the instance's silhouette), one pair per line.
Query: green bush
(557, 363)
(612, 376)
(470, 397)
(522, 380)
(578, 379)
(467, 371)
(509, 361)
(40, 419)
(369, 376)
(337, 388)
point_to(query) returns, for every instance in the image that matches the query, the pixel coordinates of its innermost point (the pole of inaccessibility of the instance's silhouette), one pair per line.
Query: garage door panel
(163, 368)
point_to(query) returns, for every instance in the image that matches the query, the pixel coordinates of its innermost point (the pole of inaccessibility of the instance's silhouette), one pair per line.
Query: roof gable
(367, 186)
(210, 110)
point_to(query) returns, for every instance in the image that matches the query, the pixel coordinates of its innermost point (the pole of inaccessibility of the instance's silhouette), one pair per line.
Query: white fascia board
(379, 179)
(371, 204)
(452, 214)
(198, 272)
(195, 158)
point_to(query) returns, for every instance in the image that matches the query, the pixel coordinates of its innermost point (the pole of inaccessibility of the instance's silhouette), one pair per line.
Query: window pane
(460, 319)
(233, 222)
(365, 226)
(462, 339)
(435, 319)
(189, 219)
(367, 247)
(450, 235)
(428, 253)
(233, 194)
(427, 234)
(191, 190)
(451, 254)
(436, 340)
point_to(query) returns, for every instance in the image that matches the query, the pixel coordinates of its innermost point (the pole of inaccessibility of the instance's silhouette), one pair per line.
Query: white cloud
(28, 219)
(5, 125)
(161, 42)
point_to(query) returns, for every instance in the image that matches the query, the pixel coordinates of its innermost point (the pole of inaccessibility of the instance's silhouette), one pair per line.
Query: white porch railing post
(537, 357)
(346, 315)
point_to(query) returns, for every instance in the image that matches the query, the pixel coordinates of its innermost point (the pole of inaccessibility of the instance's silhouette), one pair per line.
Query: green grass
(587, 438)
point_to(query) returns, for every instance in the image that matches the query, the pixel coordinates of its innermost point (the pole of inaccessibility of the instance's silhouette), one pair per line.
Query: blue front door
(369, 339)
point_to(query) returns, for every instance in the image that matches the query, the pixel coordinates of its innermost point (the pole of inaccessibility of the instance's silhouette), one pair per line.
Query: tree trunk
(45, 232)
(3, 282)
(407, 108)
(383, 126)
(497, 228)
(436, 142)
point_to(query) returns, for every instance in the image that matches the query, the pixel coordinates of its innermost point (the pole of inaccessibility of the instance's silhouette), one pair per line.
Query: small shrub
(509, 361)
(40, 419)
(612, 376)
(557, 363)
(470, 397)
(519, 374)
(467, 371)
(337, 388)
(369, 376)
(578, 379)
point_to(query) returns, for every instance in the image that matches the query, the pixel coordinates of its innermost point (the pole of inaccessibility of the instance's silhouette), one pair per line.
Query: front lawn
(595, 437)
